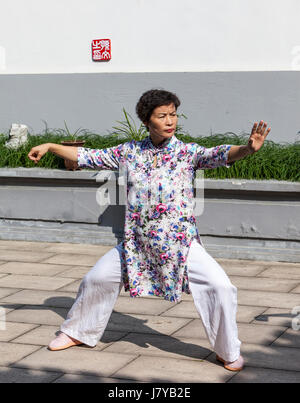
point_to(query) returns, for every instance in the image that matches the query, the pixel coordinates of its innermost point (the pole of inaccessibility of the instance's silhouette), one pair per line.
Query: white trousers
(214, 296)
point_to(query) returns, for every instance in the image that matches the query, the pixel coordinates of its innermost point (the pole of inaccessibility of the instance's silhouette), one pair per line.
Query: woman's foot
(63, 341)
(236, 365)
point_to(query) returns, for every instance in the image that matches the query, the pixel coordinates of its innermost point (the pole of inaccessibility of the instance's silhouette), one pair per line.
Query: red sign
(101, 49)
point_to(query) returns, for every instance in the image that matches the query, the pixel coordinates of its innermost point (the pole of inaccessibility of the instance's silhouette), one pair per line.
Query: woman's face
(162, 123)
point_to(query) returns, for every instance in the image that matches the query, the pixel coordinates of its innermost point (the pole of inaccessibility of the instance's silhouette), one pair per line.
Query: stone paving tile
(71, 259)
(249, 333)
(268, 299)
(194, 329)
(267, 292)
(17, 375)
(11, 352)
(162, 369)
(142, 306)
(72, 287)
(145, 323)
(4, 292)
(243, 270)
(187, 297)
(24, 255)
(184, 297)
(247, 314)
(126, 294)
(247, 271)
(34, 282)
(275, 316)
(24, 245)
(279, 271)
(76, 360)
(283, 264)
(273, 357)
(109, 337)
(38, 314)
(42, 335)
(86, 249)
(183, 309)
(5, 309)
(68, 378)
(259, 334)
(281, 358)
(34, 269)
(290, 338)
(263, 284)
(261, 375)
(39, 336)
(77, 272)
(37, 297)
(11, 330)
(296, 290)
(242, 262)
(161, 346)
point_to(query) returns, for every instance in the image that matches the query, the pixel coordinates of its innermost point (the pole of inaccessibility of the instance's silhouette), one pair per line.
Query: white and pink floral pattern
(159, 222)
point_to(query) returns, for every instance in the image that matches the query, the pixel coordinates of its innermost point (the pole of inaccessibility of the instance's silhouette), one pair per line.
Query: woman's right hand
(36, 153)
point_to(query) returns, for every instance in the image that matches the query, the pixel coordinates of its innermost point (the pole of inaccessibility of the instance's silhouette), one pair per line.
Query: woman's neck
(158, 141)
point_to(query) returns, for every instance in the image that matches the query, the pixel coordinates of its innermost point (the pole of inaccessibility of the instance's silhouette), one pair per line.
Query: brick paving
(146, 340)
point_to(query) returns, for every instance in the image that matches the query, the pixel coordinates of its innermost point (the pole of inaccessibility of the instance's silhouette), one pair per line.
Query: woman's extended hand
(256, 140)
(36, 153)
(258, 136)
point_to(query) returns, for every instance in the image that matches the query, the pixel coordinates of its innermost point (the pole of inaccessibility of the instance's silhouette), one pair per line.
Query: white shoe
(63, 341)
(236, 365)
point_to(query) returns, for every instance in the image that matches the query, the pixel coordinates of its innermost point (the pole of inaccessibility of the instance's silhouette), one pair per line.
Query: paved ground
(147, 340)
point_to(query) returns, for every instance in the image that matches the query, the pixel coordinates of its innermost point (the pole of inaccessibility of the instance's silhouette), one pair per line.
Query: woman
(161, 253)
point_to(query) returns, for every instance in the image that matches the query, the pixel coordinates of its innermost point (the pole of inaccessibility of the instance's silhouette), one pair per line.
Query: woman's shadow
(132, 330)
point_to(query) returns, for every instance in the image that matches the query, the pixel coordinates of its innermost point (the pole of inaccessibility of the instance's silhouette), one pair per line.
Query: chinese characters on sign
(101, 49)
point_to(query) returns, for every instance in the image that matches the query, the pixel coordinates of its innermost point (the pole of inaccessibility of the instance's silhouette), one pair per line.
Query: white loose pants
(214, 296)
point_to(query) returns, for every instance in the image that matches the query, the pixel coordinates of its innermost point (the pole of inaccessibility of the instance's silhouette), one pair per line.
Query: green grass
(272, 161)
(18, 158)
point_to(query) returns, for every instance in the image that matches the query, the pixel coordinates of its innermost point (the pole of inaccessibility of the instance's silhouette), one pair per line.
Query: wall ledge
(213, 184)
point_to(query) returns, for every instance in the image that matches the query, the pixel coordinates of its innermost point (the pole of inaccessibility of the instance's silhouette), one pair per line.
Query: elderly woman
(161, 253)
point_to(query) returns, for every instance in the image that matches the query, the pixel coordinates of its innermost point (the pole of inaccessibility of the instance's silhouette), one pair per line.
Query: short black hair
(152, 99)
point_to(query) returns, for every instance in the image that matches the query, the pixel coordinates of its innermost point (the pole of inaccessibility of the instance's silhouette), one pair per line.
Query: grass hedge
(272, 161)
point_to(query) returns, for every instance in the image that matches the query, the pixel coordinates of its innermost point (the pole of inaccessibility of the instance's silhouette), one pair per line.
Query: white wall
(43, 36)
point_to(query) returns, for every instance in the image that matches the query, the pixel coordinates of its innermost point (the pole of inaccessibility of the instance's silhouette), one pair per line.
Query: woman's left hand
(258, 136)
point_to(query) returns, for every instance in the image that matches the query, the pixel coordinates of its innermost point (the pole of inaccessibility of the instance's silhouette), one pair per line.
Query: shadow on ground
(259, 367)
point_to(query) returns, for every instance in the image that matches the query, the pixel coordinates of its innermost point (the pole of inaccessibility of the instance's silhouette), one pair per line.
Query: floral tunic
(159, 222)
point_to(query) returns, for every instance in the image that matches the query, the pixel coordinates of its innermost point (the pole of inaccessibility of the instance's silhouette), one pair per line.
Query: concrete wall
(213, 102)
(241, 219)
(150, 35)
(231, 62)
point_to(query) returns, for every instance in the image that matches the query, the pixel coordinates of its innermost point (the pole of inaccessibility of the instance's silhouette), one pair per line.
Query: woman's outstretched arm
(66, 152)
